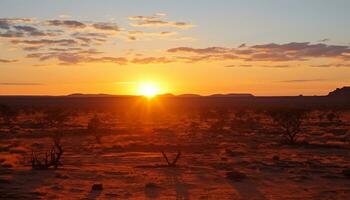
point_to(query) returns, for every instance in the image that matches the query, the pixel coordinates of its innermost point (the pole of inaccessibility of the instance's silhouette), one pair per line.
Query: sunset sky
(263, 47)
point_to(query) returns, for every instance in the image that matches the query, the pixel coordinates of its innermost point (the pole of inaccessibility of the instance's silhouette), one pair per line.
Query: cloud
(302, 80)
(242, 45)
(69, 41)
(45, 42)
(157, 21)
(11, 34)
(66, 23)
(265, 66)
(106, 26)
(209, 50)
(76, 56)
(152, 60)
(137, 34)
(239, 66)
(20, 27)
(332, 65)
(325, 40)
(272, 52)
(4, 24)
(32, 31)
(19, 84)
(7, 61)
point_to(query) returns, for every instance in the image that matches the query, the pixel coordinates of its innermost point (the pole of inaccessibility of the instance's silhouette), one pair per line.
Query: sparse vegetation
(173, 147)
(9, 117)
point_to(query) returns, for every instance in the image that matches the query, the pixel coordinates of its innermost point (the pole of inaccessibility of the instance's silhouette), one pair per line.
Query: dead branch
(173, 163)
(55, 155)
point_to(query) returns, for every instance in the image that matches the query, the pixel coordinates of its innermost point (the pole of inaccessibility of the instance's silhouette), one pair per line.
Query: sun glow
(148, 89)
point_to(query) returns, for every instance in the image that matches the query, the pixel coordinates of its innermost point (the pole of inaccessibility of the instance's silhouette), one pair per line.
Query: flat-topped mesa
(340, 92)
(233, 95)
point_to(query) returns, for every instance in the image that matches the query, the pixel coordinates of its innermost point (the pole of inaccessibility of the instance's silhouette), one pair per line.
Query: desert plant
(55, 118)
(172, 163)
(94, 127)
(333, 116)
(52, 157)
(9, 117)
(192, 130)
(289, 120)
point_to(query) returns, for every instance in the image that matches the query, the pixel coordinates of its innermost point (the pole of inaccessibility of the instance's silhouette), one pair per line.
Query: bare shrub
(174, 161)
(52, 157)
(290, 121)
(56, 119)
(333, 116)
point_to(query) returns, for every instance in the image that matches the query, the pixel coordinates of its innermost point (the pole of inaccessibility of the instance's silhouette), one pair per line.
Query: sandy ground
(130, 166)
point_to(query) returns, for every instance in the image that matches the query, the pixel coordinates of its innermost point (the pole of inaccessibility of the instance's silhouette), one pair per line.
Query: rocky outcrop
(340, 92)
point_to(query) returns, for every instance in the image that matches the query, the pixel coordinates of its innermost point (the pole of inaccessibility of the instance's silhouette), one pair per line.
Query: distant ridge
(189, 95)
(95, 95)
(340, 92)
(81, 95)
(88, 95)
(232, 95)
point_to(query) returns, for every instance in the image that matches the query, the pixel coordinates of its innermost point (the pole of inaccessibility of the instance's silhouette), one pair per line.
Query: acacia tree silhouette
(290, 121)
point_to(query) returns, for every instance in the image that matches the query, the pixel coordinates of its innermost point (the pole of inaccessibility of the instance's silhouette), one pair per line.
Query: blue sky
(223, 22)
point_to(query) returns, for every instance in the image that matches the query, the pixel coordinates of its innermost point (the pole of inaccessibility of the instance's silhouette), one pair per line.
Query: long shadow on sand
(93, 195)
(174, 177)
(248, 190)
(24, 183)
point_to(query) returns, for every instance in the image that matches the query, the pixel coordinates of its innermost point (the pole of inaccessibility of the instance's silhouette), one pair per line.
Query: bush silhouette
(94, 127)
(289, 120)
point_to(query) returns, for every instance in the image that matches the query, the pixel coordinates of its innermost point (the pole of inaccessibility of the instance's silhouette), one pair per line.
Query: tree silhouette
(289, 120)
(94, 127)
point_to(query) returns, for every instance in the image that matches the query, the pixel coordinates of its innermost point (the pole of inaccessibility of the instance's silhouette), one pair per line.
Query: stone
(235, 176)
(346, 173)
(97, 187)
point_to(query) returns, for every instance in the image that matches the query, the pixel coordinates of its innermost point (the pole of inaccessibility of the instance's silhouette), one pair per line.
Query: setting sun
(148, 89)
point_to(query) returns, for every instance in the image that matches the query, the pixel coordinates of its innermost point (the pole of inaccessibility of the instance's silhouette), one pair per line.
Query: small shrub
(94, 127)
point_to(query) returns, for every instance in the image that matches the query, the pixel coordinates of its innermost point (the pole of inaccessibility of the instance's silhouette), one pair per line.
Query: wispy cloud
(272, 52)
(302, 80)
(157, 20)
(19, 84)
(70, 41)
(7, 61)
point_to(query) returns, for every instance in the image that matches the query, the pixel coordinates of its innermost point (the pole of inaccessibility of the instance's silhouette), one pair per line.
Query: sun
(148, 89)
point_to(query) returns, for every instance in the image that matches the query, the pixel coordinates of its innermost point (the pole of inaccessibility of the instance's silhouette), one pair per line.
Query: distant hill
(81, 95)
(95, 95)
(189, 95)
(340, 92)
(232, 95)
(88, 95)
